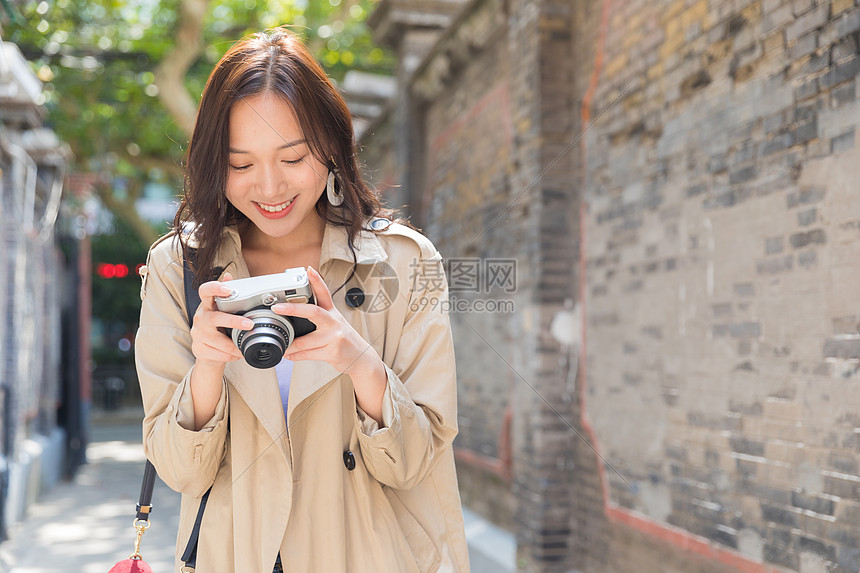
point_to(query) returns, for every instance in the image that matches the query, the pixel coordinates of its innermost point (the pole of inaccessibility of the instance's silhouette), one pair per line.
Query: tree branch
(126, 210)
(170, 73)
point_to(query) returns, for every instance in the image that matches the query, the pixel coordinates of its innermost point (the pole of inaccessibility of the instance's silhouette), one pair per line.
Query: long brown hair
(274, 62)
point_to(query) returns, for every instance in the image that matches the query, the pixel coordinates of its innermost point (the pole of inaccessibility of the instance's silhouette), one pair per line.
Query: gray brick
(723, 200)
(775, 265)
(774, 245)
(697, 189)
(844, 49)
(722, 534)
(807, 89)
(843, 94)
(806, 23)
(818, 504)
(807, 259)
(777, 143)
(777, 19)
(817, 546)
(717, 163)
(813, 237)
(839, 73)
(849, 23)
(808, 217)
(744, 445)
(745, 330)
(842, 348)
(722, 310)
(844, 464)
(779, 514)
(842, 142)
(774, 123)
(804, 197)
(742, 174)
(746, 153)
(806, 131)
(804, 45)
(801, 7)
(848, 558)
(818, 62)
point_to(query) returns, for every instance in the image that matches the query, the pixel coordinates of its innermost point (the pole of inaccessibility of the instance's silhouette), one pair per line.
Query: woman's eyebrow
(284, 146)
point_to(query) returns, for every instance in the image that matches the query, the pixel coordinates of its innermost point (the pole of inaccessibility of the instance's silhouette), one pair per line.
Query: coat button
(349, 460)
(380, 224)
(354, 297)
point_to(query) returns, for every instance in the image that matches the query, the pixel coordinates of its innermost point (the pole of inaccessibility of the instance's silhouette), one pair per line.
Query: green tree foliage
(98, 60)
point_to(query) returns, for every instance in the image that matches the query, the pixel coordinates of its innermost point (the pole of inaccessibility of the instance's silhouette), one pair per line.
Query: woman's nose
(272, 182)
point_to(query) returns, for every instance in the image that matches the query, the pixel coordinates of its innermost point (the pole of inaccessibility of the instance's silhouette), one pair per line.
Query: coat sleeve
(186, 460)
(420, 402)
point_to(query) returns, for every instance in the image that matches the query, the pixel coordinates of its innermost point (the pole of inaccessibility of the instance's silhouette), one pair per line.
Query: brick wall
(721, 245)
(467, 134)
(708, 420)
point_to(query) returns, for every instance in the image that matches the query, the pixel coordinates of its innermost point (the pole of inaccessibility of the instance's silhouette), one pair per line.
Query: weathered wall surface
(722, 243)
(708, 420)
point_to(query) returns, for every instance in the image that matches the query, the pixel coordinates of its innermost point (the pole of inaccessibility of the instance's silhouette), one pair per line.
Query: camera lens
(264, 345)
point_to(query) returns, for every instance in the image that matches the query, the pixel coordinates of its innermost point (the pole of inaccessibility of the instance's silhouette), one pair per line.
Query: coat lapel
(259, 388)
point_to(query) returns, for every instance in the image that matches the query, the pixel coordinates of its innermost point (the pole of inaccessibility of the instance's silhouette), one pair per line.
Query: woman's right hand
(212, 348)
(210, 345)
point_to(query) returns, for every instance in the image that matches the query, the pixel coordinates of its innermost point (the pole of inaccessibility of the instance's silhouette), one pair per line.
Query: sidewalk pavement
(85, 525)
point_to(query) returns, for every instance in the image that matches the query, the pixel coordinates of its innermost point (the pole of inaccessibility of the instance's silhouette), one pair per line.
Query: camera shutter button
(269, 299)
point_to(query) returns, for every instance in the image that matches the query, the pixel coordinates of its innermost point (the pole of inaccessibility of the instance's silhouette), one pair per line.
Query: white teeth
(275, 208)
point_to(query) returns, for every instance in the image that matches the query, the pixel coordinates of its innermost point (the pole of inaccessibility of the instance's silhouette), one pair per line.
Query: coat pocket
(423, 548)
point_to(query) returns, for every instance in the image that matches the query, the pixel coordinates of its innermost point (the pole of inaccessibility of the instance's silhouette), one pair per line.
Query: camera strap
(192, 297)
(192, 301)
(144, 506)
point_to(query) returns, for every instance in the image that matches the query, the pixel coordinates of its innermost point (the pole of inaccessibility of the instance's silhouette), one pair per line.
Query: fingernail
(247, 323)
(279, 307)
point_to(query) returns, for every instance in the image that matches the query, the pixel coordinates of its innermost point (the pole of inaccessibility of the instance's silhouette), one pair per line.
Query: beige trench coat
(275, 490)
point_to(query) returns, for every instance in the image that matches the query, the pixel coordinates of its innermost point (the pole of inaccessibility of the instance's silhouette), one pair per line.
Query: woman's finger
(312, 312)
(217, 319)
(209, 290)
(310, 341)
(321, 292)
(221, 352)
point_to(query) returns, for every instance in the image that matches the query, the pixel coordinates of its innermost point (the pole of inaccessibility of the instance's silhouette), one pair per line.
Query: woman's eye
(240, 167)
(295, 162)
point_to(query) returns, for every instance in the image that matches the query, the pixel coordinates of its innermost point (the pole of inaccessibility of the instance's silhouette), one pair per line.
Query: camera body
(264, 344)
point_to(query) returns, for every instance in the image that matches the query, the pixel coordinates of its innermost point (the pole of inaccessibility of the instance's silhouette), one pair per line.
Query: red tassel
(131, 566)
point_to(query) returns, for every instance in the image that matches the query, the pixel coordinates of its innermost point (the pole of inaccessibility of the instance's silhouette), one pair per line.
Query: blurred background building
(41, 434)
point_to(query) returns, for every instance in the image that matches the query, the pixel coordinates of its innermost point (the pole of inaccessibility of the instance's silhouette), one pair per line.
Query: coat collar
(368, 248)
(309, 376)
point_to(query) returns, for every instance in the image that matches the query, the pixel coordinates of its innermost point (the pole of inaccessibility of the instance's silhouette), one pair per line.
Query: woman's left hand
(334, 341)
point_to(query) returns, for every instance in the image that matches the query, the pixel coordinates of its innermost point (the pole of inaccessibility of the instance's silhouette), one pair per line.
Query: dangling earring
(335, 196)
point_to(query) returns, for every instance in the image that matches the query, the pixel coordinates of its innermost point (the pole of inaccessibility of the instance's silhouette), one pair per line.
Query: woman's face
(273, 178)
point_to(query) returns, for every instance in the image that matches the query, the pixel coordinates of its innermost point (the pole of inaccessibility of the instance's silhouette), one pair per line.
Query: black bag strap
(192, 296)
(144, 506)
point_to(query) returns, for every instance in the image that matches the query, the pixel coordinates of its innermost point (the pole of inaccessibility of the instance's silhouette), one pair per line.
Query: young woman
(338, 459)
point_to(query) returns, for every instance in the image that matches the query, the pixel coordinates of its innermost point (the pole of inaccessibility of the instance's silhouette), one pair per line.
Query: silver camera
(264, 345)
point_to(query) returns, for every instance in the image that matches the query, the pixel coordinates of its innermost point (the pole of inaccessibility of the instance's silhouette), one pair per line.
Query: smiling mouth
(275, 208)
